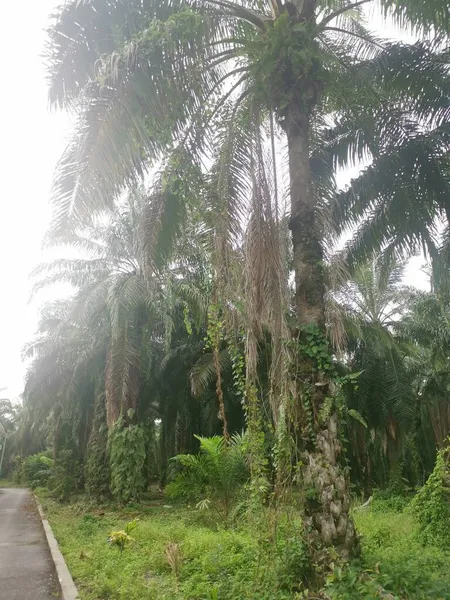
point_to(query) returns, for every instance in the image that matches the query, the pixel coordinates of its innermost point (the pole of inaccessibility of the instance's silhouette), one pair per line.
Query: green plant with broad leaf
(122, 539)
(214, 477)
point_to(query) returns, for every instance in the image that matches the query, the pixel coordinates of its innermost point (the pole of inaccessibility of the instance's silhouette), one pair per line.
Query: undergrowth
(176, 554)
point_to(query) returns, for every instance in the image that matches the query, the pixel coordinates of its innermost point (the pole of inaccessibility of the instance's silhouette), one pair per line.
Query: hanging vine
(214, 337)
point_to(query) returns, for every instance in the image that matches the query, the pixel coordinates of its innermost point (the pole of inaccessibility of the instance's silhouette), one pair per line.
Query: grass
(212, 563)
(4, 483)
(391, 548)
(178, 556)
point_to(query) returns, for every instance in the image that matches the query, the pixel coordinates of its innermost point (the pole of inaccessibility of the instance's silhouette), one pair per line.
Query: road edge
(65, 581)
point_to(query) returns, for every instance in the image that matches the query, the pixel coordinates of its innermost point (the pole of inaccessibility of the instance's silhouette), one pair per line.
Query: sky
(32, 140)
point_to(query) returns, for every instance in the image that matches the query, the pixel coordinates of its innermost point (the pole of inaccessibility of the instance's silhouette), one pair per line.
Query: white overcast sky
(31, 142)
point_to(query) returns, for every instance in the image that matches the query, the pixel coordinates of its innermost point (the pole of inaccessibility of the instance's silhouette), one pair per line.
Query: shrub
(351, 583)
(66, 477)
(431, 505)
(215, 476)
(36, 470)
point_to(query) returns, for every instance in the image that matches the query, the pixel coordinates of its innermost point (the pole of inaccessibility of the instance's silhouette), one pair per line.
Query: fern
(215, 476)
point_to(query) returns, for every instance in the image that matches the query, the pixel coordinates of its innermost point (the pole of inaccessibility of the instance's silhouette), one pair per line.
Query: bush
(36, 470)
(351, 583)
(215, 476)
(431, 505)
(394, 558)
(66, 477)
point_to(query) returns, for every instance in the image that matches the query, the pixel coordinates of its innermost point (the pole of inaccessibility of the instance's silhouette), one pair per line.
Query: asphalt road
(25, 565)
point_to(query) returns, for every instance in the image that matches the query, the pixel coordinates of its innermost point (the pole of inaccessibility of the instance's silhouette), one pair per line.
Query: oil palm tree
(133, 336)
(122, 347)
(426, 327)
(66, 359)
(206, 87)
(373, 302)
(113, 301)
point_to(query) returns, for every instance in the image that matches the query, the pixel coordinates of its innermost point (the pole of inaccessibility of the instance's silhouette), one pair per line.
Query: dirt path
(26, 571)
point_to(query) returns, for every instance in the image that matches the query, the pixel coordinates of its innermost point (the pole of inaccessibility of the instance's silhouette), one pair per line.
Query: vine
(321, 379)
(256, 440)
(126, 445)
(214, 336)
(431, 505)
(187, 319)
(238, 368)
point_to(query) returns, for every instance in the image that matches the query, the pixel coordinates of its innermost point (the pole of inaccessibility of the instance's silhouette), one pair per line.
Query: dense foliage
(215, 476)
(208, 297)
(431, 505)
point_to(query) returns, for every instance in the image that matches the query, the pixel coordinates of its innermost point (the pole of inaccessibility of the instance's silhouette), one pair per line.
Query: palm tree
(426, 327)
(8, 419)
(66, 360)
(371, 304)
(123, 342)
(203, 82)
(112, 302)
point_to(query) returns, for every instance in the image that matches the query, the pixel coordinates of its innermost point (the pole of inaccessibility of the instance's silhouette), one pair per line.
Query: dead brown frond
(266, 274)
(174, 558)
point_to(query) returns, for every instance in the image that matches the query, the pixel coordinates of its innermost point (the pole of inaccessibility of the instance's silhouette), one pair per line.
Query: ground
(179, 554)
(26, 569)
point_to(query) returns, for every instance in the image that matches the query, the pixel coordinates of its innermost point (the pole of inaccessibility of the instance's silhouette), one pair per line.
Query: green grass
(177, 556)
(216, 563)
(392, 548)
(4, 483)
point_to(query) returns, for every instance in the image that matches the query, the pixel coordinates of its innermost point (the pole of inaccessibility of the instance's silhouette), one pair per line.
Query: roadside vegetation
(287, 392)
(181, 553)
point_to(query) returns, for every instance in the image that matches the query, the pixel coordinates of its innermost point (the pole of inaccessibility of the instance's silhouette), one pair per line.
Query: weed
(249, 562)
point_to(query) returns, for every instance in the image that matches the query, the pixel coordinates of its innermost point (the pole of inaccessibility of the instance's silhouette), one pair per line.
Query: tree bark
(307, 249)
(327, 510)
(121, 388)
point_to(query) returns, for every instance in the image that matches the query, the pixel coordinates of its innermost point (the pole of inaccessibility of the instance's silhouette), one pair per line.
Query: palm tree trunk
(327, 512)
(308, 267)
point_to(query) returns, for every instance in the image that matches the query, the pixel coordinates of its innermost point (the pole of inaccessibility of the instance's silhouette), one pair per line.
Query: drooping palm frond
(125, 120)
(203, 373)
(397, 199)
(428, 17)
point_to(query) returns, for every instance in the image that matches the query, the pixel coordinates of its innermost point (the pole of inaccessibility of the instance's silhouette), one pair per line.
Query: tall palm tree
(426, 326)
(204, 81)
(372, 302)
(66, 359)
(111, 299)
(120, 328)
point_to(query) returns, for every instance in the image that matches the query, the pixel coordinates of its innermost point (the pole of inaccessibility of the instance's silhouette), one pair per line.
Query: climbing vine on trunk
(324, 473)
(126, 445)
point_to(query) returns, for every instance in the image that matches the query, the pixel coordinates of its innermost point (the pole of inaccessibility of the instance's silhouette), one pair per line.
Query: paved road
(25, 564)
